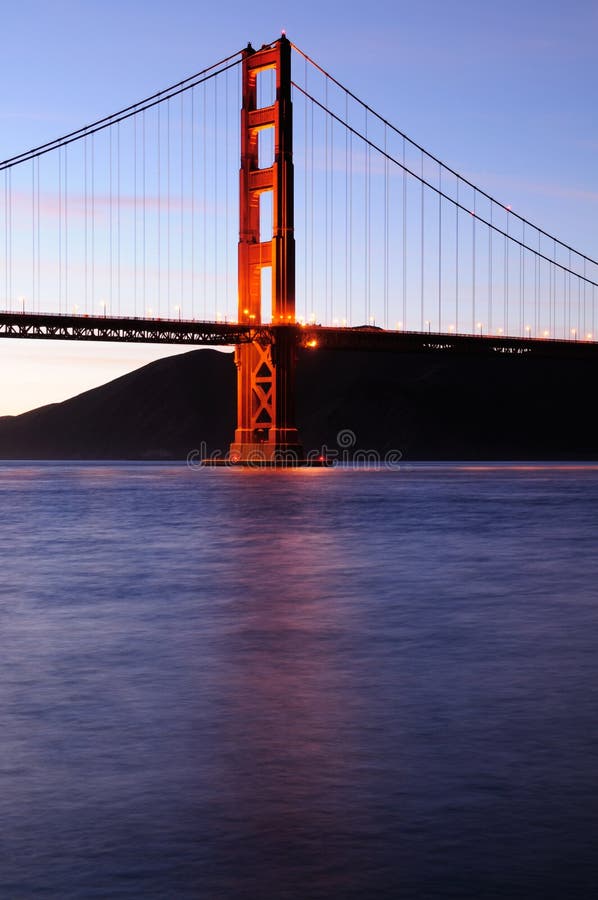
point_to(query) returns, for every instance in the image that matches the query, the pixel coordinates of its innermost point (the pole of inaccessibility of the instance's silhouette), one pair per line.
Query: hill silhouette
(425, 407)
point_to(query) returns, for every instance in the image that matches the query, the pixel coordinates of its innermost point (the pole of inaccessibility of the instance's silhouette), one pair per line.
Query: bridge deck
(128, 330)
(219, 334)
(374, 339)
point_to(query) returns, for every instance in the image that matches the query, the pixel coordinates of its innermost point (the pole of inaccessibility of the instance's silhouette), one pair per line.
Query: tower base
(319, 462)
(268, 455)
(266, 452)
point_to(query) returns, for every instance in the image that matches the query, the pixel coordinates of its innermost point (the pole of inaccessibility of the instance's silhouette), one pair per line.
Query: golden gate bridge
(339, 232)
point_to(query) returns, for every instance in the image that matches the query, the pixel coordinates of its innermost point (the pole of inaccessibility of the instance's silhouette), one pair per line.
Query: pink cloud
(511, 184)
(49, 204)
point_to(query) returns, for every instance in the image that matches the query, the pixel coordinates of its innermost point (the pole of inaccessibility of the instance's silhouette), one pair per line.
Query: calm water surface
(308, 684)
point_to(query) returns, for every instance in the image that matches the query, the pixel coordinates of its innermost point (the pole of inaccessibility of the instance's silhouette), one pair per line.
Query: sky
(504, 93)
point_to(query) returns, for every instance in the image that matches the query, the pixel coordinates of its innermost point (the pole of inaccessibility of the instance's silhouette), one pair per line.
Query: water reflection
(291, 724)
(322, 684)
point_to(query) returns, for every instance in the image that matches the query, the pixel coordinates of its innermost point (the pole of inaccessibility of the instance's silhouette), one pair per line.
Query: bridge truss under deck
(313, 337)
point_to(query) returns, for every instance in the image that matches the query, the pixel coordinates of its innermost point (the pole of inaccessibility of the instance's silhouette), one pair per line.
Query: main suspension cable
(425, 183)
(126, 113)
(435, 159)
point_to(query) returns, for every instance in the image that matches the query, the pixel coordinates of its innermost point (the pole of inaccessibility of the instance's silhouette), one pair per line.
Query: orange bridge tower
(266, 427)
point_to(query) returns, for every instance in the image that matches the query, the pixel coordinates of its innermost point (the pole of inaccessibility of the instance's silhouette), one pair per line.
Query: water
(305, 684)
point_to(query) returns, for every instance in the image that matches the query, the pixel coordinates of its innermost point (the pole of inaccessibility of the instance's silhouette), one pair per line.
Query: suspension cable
(435, 159)
(126, 113)
(452, 200)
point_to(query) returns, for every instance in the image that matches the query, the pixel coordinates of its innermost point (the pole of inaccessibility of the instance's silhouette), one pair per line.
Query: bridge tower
(266, 367)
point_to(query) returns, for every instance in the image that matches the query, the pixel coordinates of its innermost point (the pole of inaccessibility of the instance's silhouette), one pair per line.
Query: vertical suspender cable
(305, 192)
(85, 292)
(216, 311)
(118, 278)
(564, 304)
(537, 290)
(159, 189)
(579, 307)
(553, 294)
(568, 302)
(490, 242)
(192, 148)
(66, 231)
(368, 316)
(535, 295)
(33, 235)
(93, 258)
(326, 247)
(226, 191)
(143, 180)
(311, 224)
(581, 325)
(506, 303)
(404, 241)
(168, 207)
(385, 228)
(204, 200)
(111, 225)
(10, 220)
(331, 221)
(584, 300)
(10, 269)
(421, 316)
(144, 310)
(522, 283)
(59, 157)
(584, 297)
(457, 259)
(346, 207)
(6, 293)
(439, 247)
(550, 269)
(144, 231)
(182, 219)
(350, 316)
(582, 315)
(473, 219)
(38, 240)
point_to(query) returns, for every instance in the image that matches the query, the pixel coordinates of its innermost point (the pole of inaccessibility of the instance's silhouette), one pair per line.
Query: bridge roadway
(218, 334)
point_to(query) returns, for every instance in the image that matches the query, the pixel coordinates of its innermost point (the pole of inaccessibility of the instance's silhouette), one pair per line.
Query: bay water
(321, 683)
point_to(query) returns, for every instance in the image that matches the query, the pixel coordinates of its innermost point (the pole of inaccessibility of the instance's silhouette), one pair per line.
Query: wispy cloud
(27, 116)
(508, 185)
(78, 205)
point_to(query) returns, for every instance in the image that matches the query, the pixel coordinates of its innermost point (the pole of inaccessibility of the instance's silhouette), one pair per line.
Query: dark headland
(426, 408)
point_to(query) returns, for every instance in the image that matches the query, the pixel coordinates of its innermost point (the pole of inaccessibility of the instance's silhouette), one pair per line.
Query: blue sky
(504, 93)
